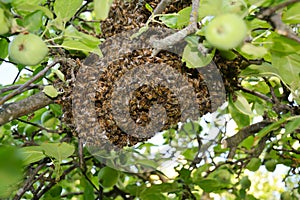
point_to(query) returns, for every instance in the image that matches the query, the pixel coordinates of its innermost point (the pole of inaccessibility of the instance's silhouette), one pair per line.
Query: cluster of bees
(125, 16)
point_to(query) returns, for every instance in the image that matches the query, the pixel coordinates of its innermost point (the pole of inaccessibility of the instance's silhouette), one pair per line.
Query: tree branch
(271, 10)
(255, 93)
(161, 6)
(28, 83)
(274, 19)
(170, 40)
(14, 87)
(11, 111)
(233, 141)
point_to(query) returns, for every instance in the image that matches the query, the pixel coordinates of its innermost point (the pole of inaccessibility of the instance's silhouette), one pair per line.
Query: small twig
(29, 182)
(7, 61)
(270, 11)
(170, 40)
(13, 87)
(39, 126)
(274, 97)
(161, 6)
(80, 155)
(255, 93)
(25, 85)
(51, 184)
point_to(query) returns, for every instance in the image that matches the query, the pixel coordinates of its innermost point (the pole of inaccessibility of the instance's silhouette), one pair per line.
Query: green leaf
(58, 151)
(148, 7)
(170, 20)
(242, 104)
(156, 196)
(11, 167)
(251, 51)
(209, 185)
(75, 40)
(183, 17)
(77, 45)
(4, 48)
(289, 68)
(101, 8)
(56, 109)
(66, 9)
(248, 142)
(33, 22)
(156, 189)
(148, 163)
(59, 74)
(292, 15)
(210, 8)
(88, 191)
(218, 7)
(284, 46)
(292, 125)
(241, 119)
(50, 91)
(32, 154)
(32, 6)
(192, 56)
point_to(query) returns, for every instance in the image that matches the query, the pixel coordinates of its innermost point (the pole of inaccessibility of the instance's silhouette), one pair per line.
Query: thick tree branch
(169, 41)
(161, 6)
(11, 111)
(233, 141)
(274, 19)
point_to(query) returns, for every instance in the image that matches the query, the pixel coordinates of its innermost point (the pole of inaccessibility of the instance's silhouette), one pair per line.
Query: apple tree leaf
(58, 151)
(101, 8)
(50, 91)
(66, 9)
(32, 154)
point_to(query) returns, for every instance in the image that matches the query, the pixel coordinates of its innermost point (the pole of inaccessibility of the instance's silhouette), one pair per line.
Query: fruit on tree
(27, 49)
(4, 27)
(30, 129)
(245, 182)
(254, 164)
(48, 119)
(270, 165)
(223, 176)
(285, 196)
(226, 31)
(108, 177)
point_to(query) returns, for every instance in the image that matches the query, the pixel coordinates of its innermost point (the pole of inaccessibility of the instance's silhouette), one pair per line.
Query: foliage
(257, 128)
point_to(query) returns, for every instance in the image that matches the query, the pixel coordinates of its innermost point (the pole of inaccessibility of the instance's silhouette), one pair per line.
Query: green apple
(254, 164)
(226, 31)
(48, 119)
(30, 129)
(27, 49)
(245, 182)
(223, 176)
(271, 165)
(4, 27)
(108, 177)
(285, 196)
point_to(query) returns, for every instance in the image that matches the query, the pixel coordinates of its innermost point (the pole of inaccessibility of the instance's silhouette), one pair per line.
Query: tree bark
(11, 111)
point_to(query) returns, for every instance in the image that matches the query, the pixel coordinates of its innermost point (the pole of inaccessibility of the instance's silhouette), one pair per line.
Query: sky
(8, 73)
